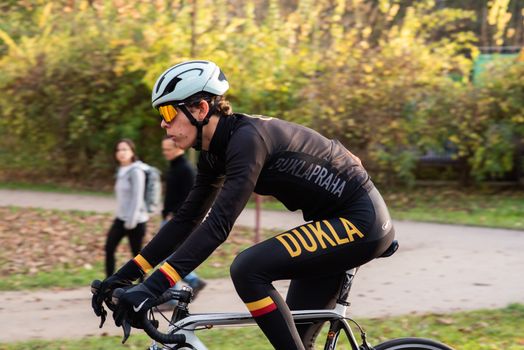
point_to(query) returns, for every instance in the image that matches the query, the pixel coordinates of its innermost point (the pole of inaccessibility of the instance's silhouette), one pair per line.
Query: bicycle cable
(167, 346)
(362, 332)
(177, 328)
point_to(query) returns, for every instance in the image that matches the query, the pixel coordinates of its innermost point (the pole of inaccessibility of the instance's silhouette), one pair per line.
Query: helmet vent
(221, 76)
(171, 86)
(159, 84)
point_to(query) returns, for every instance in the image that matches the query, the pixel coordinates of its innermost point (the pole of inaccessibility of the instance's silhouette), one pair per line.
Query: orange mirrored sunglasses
(168, 113)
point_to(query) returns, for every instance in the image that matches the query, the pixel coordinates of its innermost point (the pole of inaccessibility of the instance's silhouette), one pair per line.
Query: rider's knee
(241, 268)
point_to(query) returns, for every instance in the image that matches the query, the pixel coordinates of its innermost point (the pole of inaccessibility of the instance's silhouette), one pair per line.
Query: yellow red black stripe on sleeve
(172, 276)
(142, 263)
(261, 307)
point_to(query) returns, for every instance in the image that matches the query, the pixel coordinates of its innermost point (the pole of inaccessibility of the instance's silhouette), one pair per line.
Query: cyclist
(347, 221)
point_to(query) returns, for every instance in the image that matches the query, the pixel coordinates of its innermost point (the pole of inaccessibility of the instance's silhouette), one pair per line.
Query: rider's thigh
(319, 248)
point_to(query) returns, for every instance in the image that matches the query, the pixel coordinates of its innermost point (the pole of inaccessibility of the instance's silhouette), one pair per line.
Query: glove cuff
(142, 263)
(157, 283)
(134, 268)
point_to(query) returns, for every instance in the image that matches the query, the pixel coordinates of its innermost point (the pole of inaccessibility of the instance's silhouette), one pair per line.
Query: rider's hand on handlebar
(104, 290)
(132, 305)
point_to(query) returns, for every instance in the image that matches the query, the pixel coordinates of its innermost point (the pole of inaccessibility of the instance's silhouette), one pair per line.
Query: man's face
(169, 150)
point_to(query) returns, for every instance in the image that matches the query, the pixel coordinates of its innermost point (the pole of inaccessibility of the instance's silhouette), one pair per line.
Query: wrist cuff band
(142, 263)
(170, 273)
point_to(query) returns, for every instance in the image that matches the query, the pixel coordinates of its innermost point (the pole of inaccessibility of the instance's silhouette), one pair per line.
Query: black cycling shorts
(314, 256)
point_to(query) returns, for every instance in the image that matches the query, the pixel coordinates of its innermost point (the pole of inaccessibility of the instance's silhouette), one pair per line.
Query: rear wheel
(412, 344)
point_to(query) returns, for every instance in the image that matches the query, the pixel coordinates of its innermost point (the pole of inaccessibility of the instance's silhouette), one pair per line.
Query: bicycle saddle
(391, 249)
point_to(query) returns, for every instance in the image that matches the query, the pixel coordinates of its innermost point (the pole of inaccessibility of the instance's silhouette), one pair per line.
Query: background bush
(390, 79)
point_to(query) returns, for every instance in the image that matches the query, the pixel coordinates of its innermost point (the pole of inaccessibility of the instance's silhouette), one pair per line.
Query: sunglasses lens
(168, 113)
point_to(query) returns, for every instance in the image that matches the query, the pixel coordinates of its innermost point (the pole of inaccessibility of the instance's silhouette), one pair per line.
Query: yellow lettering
(337, 238)
(293, 252)
(351, 230)
(321, 235)
(312, 243)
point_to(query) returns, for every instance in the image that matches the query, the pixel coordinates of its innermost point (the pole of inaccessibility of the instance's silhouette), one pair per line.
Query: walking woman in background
(131, 213)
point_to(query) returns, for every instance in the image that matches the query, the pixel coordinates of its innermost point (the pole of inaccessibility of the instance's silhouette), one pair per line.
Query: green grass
(60, 277)
(476, 330)
(481, 208)
(50, 188)
(488, 208)
(503, 209)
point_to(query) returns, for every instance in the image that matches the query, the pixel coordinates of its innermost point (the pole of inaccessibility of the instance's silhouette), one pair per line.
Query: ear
(203, 109)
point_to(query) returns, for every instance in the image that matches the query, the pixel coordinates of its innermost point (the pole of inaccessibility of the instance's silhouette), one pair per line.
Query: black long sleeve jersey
(268, 156)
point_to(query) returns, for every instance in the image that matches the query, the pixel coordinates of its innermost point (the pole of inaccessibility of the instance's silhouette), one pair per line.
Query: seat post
(346, 286)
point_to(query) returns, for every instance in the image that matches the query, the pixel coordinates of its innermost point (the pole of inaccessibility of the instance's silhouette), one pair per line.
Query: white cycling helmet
(186, 79)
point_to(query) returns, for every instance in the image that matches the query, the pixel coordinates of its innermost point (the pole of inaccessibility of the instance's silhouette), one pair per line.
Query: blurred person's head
(170, 150)
(125, 153)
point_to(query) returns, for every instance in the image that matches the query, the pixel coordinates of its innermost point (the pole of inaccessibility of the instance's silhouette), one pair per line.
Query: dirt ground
(438, 268)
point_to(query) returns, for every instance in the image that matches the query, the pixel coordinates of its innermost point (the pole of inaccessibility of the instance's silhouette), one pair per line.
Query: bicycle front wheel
(412, 344)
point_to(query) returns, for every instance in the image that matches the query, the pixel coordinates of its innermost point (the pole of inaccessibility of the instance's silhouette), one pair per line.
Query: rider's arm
(190, 214)
(245, 158)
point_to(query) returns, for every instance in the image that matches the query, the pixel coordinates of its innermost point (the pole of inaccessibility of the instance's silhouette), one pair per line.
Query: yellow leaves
(454, 139)
(366, 32)
(518, 118)
(45, 15)
(384, 6)
(234, 25)
(497, 10)
(270, 85)
(499, 17)
(10, 43)
(339, 57)
(393, 11)
(122, 42)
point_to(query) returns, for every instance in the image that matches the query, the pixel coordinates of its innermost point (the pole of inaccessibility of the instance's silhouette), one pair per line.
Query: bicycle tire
(412, 344)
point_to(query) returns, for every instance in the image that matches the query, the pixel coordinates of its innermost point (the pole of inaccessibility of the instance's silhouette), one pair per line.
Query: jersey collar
(222, 135)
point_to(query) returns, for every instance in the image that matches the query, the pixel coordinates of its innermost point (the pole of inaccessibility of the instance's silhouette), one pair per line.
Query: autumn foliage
(390, 79)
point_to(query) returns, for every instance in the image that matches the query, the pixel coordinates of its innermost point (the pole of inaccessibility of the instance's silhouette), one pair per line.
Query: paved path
(439, 268)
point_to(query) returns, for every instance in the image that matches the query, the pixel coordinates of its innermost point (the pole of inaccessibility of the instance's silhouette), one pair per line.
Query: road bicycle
(183, 326)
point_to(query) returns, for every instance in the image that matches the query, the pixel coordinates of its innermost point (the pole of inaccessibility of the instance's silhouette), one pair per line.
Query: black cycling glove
(121, 279)
(133, 303)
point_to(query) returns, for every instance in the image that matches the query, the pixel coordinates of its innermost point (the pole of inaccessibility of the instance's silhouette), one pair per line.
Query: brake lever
(103, 316)
(127, 330)
(95, 288)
